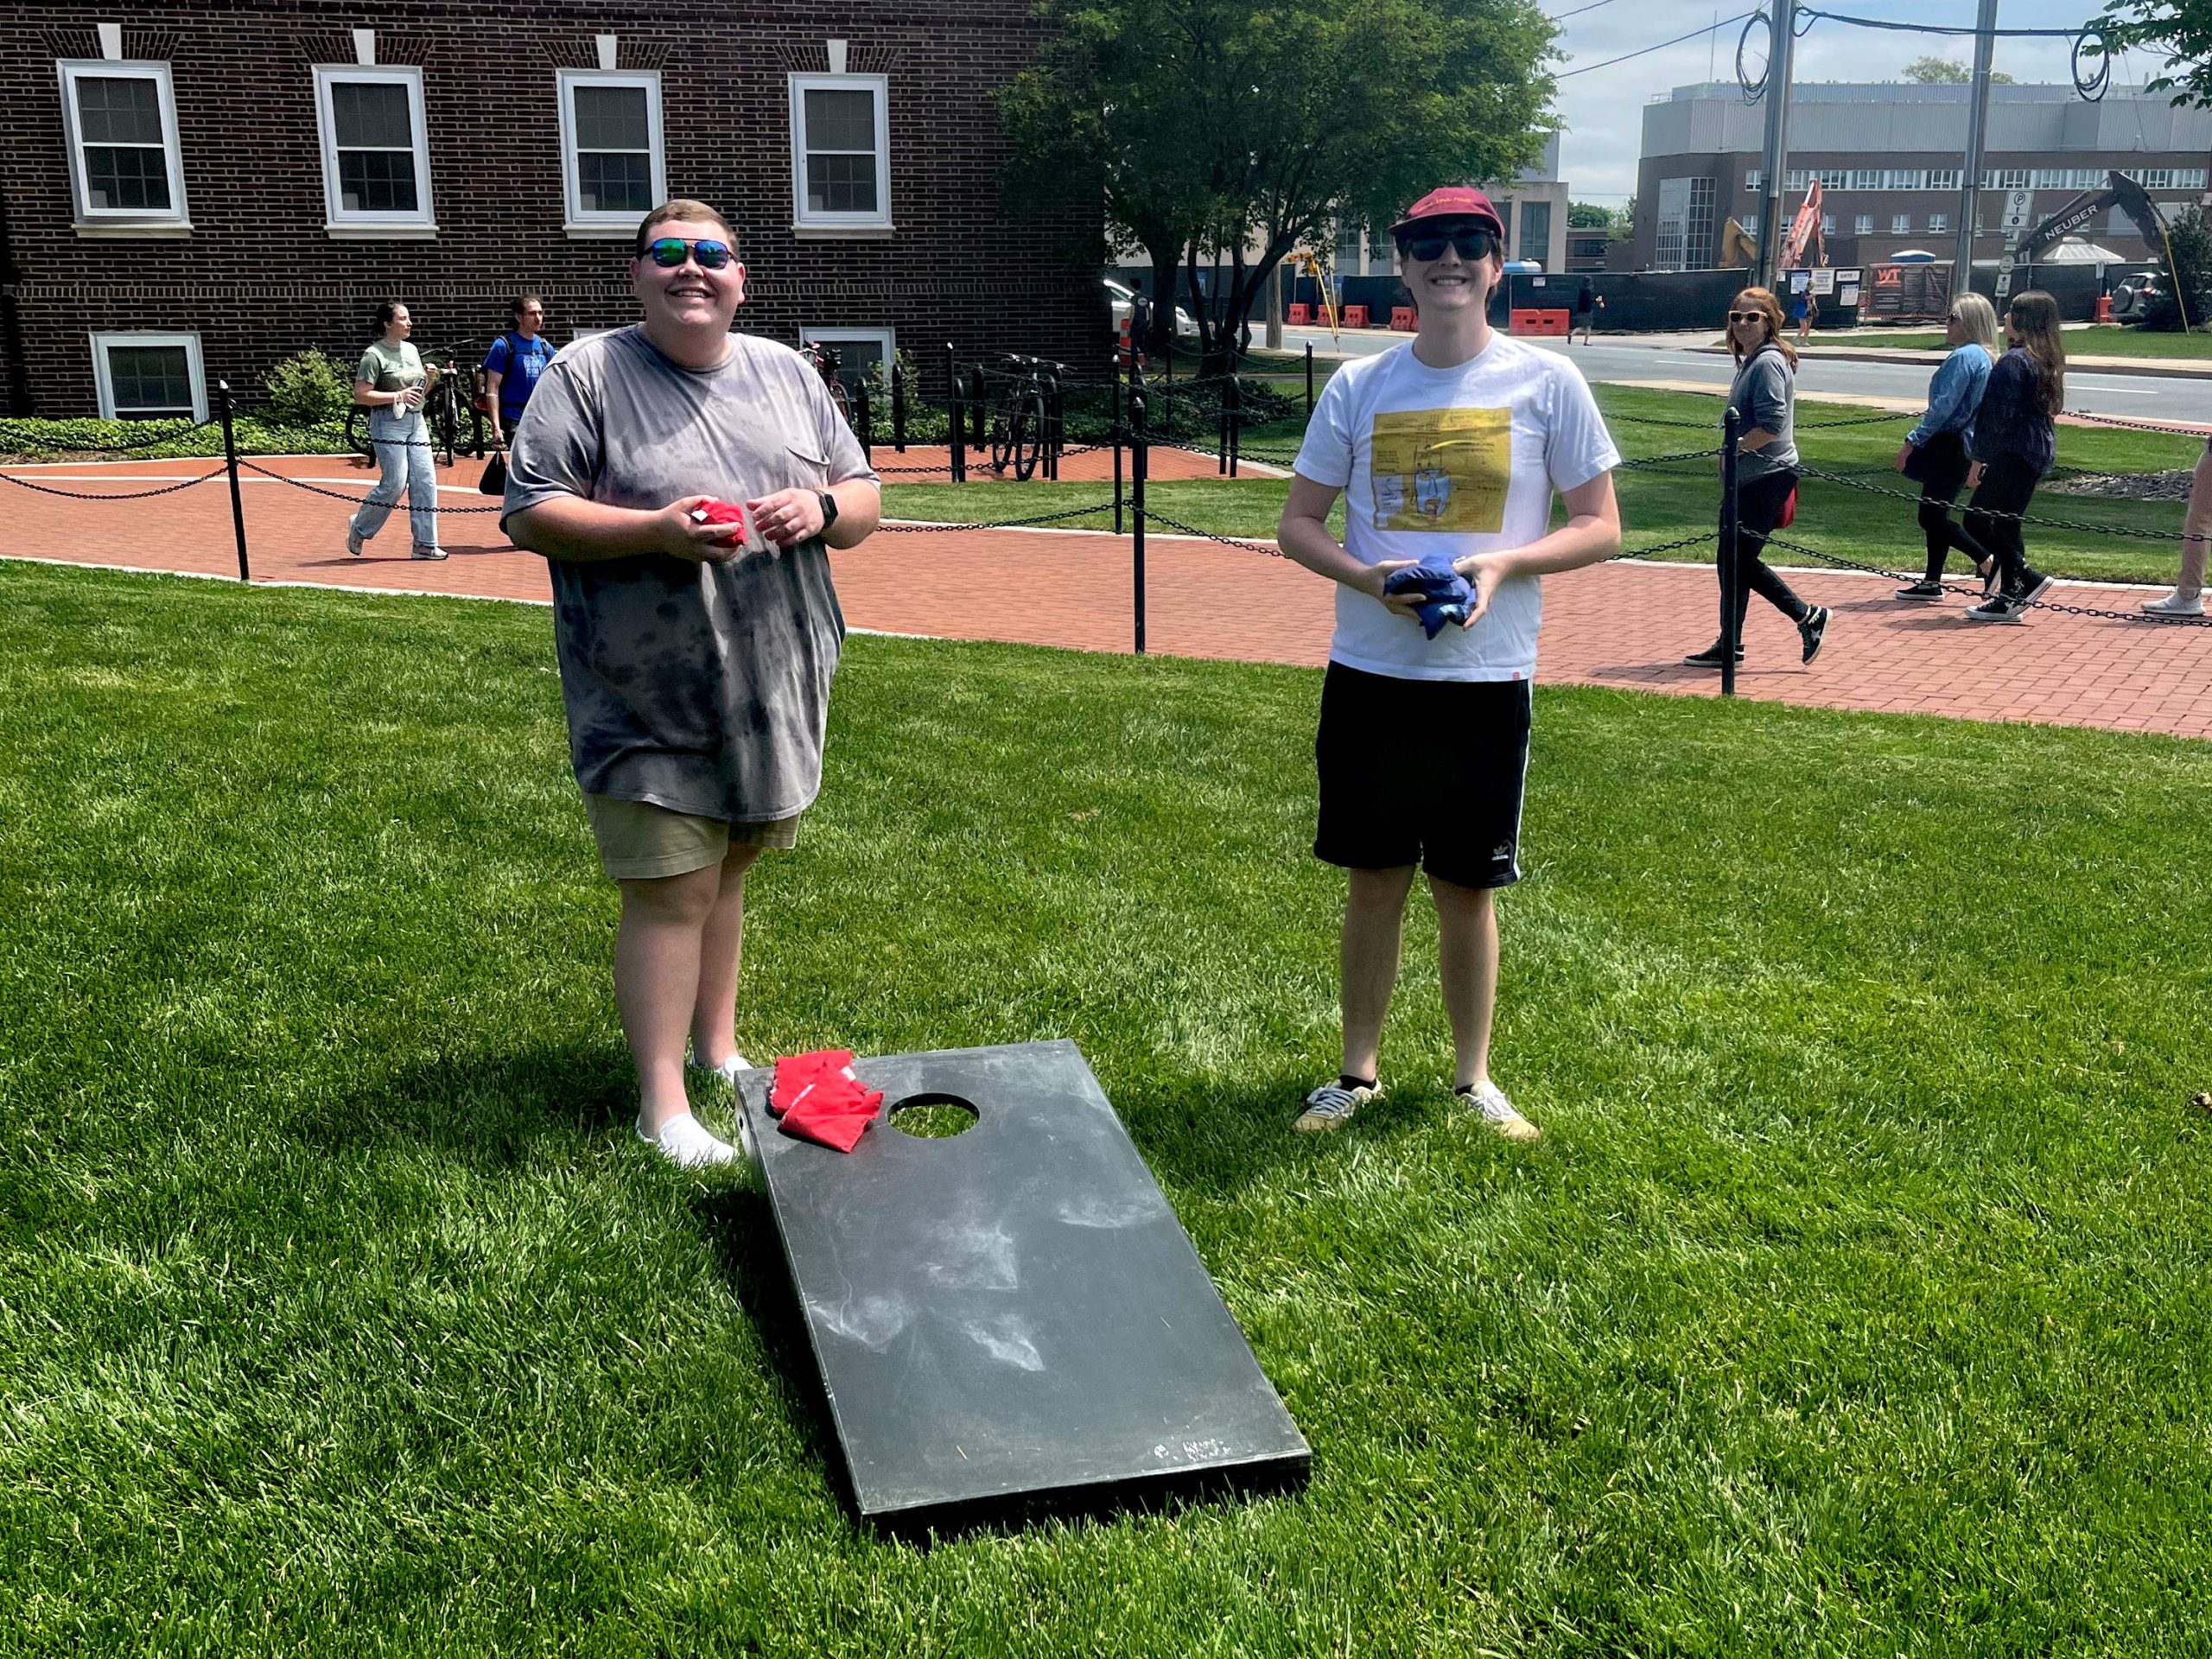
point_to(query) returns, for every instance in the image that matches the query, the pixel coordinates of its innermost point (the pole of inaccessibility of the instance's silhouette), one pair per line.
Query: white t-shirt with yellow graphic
(1452, 460)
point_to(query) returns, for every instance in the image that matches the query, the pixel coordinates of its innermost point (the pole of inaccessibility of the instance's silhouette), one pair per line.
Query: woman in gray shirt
(1763, 397)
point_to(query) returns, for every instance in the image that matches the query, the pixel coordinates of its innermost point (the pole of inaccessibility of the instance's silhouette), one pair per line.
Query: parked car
(1124, 298)
(2131, 296)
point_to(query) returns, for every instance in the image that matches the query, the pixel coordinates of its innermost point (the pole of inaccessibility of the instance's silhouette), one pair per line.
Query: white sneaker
(689, 1144)
(1332, 1105)
(1488, 1099)
(2174, 605)
(423, 552)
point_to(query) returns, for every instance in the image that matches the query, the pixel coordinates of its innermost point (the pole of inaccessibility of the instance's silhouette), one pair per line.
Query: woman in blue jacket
(1935, 452)
(2015, 440)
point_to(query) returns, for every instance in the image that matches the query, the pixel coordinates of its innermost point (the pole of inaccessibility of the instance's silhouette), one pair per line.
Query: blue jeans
(402, 439)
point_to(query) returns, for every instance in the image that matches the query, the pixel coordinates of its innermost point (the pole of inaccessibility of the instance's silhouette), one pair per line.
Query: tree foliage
(2182, 29)
(2188, 272)
(1589, 216)
(1230, 132)
(1933, 71)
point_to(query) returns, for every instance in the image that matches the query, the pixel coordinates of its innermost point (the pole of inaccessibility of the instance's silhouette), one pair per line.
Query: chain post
(1140, 448)
(864, 419)
(1309, 379)
(1113, 409)
(959, 420)
(898, 406)
(223, 405)
(1732, 509)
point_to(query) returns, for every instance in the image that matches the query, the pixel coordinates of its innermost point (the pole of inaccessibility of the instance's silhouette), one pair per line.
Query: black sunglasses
(1473, 243)
(669, 252)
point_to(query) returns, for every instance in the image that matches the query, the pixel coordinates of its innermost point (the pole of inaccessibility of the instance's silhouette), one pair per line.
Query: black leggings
(1993, 528)
(1944, 461)
(1758, 510)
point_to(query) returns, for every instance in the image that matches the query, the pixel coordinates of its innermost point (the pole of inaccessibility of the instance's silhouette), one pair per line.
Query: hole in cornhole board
(933, 1117)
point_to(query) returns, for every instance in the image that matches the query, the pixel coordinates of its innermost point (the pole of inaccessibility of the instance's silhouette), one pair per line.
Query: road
(2131, 397)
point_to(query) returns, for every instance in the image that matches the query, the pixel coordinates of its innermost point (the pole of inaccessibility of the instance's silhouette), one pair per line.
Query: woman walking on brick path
(1763, 397)
(389, 384)
(2188, 596)
(1935, 452)
(2015, 440)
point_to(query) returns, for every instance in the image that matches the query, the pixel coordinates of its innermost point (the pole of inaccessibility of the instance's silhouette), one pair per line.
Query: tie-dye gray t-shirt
(701, 688)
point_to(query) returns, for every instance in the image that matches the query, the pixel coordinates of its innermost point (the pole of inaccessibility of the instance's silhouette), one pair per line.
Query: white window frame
(602, 222)
(122, 220)
(839, 333)
(104, 379)
(1863, 225)
(806, 222)
(1938, 223)
(1900, 224)
(338, 220)
(1866, 178)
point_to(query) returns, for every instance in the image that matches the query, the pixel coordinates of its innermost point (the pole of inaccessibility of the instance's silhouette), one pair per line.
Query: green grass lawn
(1856, 1302)
(1681, 498)
(2099, 339)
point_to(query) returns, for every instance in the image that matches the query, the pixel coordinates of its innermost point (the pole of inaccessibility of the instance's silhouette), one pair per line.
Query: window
(2189, 178)
(1685, 239)
(840, 152)
(1828, 223)
(612, 162)
(2091, 178)
(1900, 224)
(1905, 178)
(149, 377)
(1863, 226)
(1796, 178)
(1938, 223)
(1831, 178)
(124, 165)
(2157, 178)
(1942, 178)
(2053, 178)
(858, 351)
(1536, 226)
(1347, 261)
(2012, 178)
(1866, 178)
(1755, 180)
(376, 157)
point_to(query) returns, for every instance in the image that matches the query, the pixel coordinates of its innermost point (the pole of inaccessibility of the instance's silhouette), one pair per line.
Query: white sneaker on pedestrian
(2175, 605)
(689, 1144)
(1489, 1100)
(1331, 1106)
(423, 552)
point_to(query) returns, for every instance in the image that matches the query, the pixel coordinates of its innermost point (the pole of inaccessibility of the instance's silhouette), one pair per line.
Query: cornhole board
(1011, 1318)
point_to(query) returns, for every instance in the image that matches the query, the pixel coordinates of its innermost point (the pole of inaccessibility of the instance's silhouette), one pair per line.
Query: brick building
(190, 191)
(1888, 156)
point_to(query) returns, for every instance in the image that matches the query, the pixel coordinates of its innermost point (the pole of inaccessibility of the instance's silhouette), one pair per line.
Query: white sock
(726, 1070)
(688, 1144)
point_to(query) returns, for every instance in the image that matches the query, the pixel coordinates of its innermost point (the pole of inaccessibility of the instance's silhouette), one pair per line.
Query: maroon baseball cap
(1452, 201)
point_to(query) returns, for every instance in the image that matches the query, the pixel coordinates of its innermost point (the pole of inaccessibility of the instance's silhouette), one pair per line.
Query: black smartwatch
(828, 508)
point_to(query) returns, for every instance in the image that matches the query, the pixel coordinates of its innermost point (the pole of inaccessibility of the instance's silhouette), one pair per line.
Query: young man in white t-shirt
(1452, 444)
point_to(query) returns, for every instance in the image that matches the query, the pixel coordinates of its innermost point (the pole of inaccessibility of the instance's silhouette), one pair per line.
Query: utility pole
(1985, 44)
(1772, 219)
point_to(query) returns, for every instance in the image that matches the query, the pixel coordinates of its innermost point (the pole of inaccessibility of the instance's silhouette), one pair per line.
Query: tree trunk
(1165, 249)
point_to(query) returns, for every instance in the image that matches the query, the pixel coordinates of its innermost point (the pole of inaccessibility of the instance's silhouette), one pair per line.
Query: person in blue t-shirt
(513, 365)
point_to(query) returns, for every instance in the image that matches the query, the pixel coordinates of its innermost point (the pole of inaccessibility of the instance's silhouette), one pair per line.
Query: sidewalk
(1624, 624)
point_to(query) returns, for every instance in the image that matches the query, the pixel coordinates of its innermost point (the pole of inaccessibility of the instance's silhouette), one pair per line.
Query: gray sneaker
(1489, 1102)
(2175, 604)
(421, 552)
(1331, 1106)
(354, 544)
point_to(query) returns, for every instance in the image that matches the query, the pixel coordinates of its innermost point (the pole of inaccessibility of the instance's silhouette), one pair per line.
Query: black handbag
(1915, 464)
(494, 481)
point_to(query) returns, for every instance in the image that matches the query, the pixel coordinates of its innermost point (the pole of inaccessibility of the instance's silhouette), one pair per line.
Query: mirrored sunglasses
(669, 252)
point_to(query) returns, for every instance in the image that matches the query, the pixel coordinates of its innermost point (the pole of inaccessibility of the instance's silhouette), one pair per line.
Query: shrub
(308, 389)
(2187, 273)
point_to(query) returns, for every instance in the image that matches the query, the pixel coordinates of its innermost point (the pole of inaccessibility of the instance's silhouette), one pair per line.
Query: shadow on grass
(484, 1110)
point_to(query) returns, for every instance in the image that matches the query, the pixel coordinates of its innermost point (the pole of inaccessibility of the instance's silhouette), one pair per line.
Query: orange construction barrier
(1356, 316)
(1300, 312)
(1404, 319)
(2104, 308)
(1560, 323)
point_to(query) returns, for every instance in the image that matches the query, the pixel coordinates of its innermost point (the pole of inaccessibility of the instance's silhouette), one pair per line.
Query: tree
(1588, 216)
(1233, 132)
(2189, 273)
(1943, 72)
(2180, 28)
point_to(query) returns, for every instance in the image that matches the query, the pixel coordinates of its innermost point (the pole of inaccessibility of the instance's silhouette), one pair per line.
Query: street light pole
(1781, 42)
(1985, 44)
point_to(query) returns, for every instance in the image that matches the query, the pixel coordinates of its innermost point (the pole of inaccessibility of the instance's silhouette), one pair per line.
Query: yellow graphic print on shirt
(1444, 469)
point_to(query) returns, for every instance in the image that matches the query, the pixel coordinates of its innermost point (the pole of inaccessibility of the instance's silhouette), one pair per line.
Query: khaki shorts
(638, 840)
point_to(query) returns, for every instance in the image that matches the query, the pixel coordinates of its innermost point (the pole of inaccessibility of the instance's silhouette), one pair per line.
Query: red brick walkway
(1621, 624)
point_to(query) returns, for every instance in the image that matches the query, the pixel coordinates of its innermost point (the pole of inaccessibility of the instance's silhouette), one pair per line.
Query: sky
(1604, 108)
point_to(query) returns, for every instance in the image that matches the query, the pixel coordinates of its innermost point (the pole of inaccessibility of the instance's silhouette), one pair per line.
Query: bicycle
(827, 361)
(446, 410)
(1019, 424)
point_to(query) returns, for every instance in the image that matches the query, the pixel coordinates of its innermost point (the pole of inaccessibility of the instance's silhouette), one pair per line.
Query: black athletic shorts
(1423, 772)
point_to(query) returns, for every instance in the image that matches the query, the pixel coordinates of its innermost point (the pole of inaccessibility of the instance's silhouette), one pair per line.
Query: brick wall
(258, 275)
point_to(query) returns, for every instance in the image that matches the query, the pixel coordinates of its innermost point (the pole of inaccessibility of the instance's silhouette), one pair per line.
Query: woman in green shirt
(389, 384)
